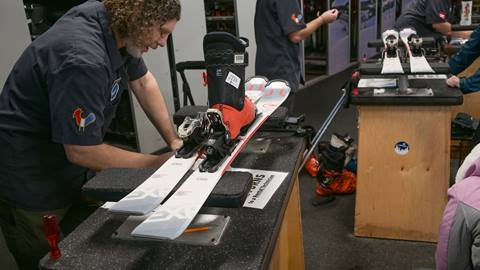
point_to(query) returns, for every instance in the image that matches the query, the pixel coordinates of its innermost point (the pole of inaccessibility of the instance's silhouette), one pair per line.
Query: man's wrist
(175, 144)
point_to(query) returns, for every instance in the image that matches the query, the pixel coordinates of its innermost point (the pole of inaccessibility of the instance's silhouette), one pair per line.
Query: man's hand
(176, 144)
(329, 16)
(453, 81)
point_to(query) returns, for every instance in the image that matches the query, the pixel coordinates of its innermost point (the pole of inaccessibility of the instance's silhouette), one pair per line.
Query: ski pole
(324, 126)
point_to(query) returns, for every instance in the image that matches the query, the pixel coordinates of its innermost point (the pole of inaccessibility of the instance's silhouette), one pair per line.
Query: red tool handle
(52, 233)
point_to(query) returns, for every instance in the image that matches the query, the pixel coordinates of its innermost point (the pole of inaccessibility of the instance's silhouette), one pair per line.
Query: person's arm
(327, 17)
(445, 28)
(151, 99)
(467, 54)
(467, 85)
(103, 156)
(470, 84)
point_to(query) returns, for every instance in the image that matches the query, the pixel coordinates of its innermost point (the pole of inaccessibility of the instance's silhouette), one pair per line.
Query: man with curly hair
(58, 102)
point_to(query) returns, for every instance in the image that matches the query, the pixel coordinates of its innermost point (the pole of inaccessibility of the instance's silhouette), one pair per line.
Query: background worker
(430, 18)
(279, 29)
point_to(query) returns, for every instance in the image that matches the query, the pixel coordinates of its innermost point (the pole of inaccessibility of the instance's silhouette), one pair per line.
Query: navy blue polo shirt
(464, 58)
(63, 89)
(421, 14)
(277, 57)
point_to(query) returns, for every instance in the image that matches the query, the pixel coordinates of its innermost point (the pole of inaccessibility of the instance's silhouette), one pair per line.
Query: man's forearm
(151, 99)
(103, 156)
(443, 28)
(462, 34)
(311, 27)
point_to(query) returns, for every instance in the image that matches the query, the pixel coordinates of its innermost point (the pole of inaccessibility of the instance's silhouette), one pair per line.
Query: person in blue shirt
(58, 102)
(460, 61)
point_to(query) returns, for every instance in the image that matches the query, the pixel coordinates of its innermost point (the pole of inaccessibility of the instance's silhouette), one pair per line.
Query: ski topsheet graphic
(391, 57)
(170, 219)
(155, 189)
(413, 46)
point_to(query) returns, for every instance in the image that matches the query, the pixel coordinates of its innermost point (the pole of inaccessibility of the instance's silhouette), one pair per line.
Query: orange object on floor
(312, 165)
(340, 183)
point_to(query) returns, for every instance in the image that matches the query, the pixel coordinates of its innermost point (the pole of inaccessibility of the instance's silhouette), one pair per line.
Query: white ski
(391, 63)
(170, 219)
(255, 87)
(418, 64)
(155, 189)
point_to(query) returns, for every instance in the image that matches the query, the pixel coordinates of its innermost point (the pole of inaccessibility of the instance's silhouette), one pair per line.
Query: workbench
(270, 238)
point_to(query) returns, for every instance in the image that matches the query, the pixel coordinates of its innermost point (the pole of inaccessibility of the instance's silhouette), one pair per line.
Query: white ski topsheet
(153, 191)
(170, 219)
(255, 87)
(418, 64)
(390, 65)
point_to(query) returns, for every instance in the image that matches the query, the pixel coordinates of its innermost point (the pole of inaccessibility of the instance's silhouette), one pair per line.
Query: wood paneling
(402, 196)
(288, 253)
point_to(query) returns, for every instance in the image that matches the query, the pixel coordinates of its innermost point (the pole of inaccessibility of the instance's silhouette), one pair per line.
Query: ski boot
(225, 61)
(230, 111)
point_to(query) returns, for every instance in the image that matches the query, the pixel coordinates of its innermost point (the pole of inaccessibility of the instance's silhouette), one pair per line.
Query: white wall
(245, 20)
(15, 35)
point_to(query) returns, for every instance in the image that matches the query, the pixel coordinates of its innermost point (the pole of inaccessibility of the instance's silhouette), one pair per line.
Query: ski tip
(256, 83)
(406, 32)
(389, 32)
(277, 87)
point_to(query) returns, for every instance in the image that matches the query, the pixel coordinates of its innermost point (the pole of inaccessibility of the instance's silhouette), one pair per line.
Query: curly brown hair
(132, 18)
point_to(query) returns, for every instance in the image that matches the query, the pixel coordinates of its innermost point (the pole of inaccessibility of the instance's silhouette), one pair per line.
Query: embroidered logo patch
(442, 14)
(81, 121)
(115, 89)
(296, 18)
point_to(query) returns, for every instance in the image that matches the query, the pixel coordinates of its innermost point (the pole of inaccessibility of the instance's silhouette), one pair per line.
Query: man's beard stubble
(132, 48)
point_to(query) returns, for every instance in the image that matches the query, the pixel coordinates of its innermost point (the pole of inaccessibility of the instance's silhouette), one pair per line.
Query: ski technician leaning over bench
(57, 103)
(279, 29)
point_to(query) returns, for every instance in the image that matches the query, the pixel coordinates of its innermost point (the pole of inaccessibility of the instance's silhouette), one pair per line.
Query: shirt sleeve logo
(296, 18)
(81, 121)
(442, 14)
(115, 89)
